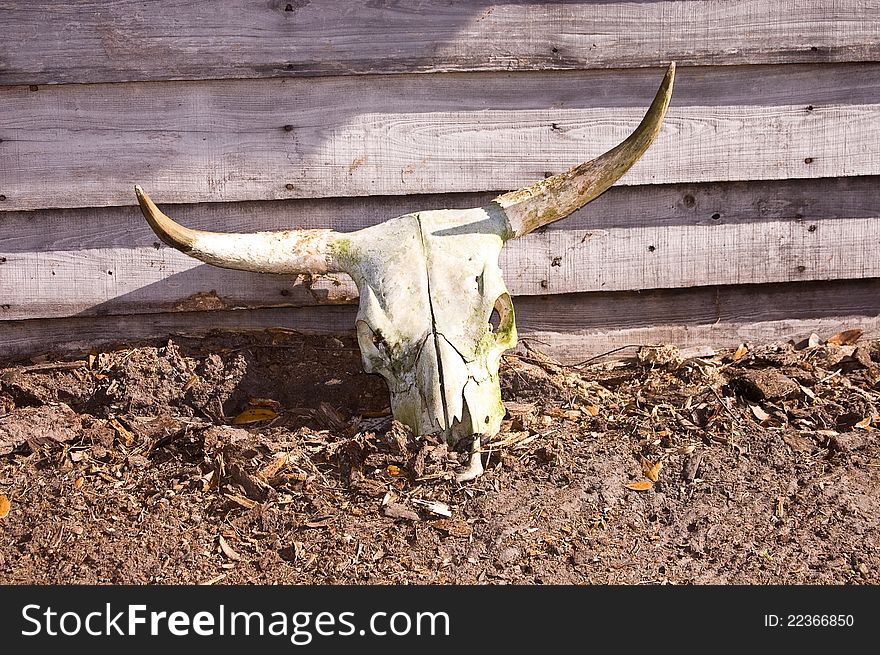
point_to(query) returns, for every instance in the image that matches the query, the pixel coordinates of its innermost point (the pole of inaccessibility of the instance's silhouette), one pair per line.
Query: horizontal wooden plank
(620, 259)
(571, 328)
(576, 327)
(86, 145)
(77, 336)
(728, 305)
(117, 40)
(707, 204)
(108, 261)
(124, 280)
(694, 341)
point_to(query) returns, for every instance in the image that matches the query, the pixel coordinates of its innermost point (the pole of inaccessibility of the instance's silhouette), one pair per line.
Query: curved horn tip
(556, 197)
(142, 196)
(170, 232)
(668, 78)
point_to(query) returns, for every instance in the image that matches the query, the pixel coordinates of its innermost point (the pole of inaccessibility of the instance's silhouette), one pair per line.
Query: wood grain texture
(120, 40)
(630, 238)
(677, 256)
(691, 340)
(729, 305)
(707, 204)
(133, 280)
(77, 336)
(576, 327)
(571, 328)
(87, 145)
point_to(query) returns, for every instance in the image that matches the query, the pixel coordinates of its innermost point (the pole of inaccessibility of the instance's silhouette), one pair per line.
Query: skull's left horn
(289, 251)
(558, 196)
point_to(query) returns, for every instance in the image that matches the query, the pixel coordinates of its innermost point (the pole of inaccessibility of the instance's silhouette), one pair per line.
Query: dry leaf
(208, 480)
(740, 352)
(641, 485)
(592, 410)
(78, 483)
(396, 471)
(123, 433)
(651, 470)
(271, 469)
(453, 527)
(92, 357)
(759, 413)
(228, 550)
(254, 415)
(241, 500)
(556, 412)
(865, 423)
(845, 338)
(4, 506)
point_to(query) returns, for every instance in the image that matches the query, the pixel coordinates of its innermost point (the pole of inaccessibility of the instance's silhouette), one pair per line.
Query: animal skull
(429, 282)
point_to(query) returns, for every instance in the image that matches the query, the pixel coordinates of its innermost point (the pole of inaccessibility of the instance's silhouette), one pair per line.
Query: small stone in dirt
(765, 384)
(691, 464)
(798, 443)
(810, 342)
(509, 555)
(849, 441)
(268, 560)
(398, 511)
(38, 427)
(863, 356)
(138, 461)
(217, 436)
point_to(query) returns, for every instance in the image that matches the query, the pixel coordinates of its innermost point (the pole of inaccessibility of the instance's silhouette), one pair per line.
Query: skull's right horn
(292, 252)
(558, 196)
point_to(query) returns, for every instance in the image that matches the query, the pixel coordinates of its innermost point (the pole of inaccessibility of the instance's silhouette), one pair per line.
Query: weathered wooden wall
(755, 214)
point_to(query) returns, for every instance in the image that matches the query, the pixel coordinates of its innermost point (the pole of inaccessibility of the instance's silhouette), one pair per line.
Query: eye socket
(501, 318)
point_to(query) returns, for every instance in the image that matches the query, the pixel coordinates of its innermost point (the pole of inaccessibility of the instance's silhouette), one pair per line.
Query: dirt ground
(271, 458)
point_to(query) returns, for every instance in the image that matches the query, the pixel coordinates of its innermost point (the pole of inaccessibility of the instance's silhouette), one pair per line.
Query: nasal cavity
(495, 320)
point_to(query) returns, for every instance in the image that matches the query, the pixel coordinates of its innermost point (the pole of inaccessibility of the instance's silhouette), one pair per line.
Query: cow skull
(429, 283)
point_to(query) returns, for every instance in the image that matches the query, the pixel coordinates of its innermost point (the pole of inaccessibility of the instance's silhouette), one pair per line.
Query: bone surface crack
(426, 251)
(452, 345)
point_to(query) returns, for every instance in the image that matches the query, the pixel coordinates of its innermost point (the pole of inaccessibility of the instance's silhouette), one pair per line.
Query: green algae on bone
(345, 252)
